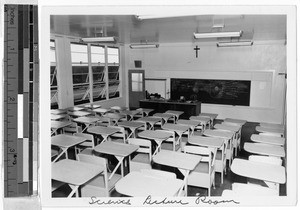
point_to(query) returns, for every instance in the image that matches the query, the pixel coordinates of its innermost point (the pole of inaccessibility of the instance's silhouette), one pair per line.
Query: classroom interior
(162, 105)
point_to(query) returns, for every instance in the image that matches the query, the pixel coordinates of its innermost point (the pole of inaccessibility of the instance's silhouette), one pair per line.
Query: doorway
(136, 87)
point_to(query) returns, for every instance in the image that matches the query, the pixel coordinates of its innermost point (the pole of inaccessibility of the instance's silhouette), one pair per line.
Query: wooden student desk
(264, 149)
(235, 121)
(65, 142)
(193, 124)
(203, 120)
(105, 132)
(151, 121)
(100, 111)
(219, 133)
(92, 106)
(233, 128)
(87, 121)
(175, 113)
(74, 173)
(56, 125)
(157, 135)
(58, 111)
(115, 117)
(213, 142)
(273, 140)
(258, 170)
(270, 130)
(58, 116)
(79, 113)
(179, 129)
(132, 126)
(137, 184)
(272, 125)
(211, 115)
(119, 150)
(130, 114)
(145, 112)
(164, 116)
(75, 108)
(184, 162)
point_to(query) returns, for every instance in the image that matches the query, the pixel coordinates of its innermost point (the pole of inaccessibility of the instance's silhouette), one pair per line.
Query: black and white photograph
(168, 105)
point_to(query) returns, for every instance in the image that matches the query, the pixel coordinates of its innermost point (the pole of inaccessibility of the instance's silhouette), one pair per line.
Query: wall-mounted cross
(196, 49)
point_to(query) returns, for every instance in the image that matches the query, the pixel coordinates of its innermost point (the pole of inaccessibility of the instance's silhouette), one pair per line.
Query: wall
(259, 63)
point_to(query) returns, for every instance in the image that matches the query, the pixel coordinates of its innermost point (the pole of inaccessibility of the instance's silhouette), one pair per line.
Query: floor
(247, 130)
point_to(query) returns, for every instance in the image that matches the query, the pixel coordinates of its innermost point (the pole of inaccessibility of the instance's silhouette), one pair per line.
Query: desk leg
(65, 150)
(120, 159)
(74, 190)
(184, 186)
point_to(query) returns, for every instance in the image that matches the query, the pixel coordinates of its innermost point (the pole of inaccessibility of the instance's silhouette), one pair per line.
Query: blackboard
(230, 92)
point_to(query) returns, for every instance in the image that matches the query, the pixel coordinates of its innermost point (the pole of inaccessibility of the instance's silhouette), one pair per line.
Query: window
(53, 74)
(113, 72)
(80, 70)
(105, 70)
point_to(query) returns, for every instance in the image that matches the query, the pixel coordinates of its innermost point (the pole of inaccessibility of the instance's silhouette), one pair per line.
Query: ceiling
(130, 29)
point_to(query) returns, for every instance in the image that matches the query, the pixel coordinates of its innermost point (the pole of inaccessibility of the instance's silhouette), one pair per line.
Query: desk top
(145, 110)
(272, 125)
(63, 140)
(154, 134)
(101, 130)
(58, 116)
(268, 139)
(211, 115)
(175, 127)
(269, 130)
(165, 116)
(219, 133)
(59, 124)
(87, 120)
(234, 128)
(131, 124)
(75, 108)
(114, 116)
(206, 141)
(58, 111)
(149, 119)
(79, 113)
(187, 122)
(100, 110)
(177, 113)
(177, 159)
(92, 106)
(201, 119)
(138, 184)
(130, 112)
(264, 149)
(115, 148)
(237, 121)
(258, 170)
(74, 172)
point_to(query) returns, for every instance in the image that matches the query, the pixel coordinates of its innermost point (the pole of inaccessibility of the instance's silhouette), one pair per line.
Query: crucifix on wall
(196, 49)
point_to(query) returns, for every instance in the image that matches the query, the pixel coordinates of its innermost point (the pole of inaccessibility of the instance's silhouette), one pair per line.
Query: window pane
(52, 52)
(113, 55)
(97, 54)
(136, 77)
(79, 53)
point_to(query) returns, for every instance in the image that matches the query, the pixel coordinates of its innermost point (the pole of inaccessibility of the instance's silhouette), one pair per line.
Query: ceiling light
(142, 46)
(235, 44)
(99, 39)
(217, 34)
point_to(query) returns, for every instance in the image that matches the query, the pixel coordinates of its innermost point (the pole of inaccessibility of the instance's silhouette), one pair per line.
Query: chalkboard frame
(226, 92)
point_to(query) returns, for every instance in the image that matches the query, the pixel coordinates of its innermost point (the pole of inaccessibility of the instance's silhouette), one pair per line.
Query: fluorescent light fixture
(217, 34)
(99, 39)
(143, 46)
(235, 44)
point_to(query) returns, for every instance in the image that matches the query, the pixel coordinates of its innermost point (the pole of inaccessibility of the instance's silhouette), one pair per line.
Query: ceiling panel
(129, 29)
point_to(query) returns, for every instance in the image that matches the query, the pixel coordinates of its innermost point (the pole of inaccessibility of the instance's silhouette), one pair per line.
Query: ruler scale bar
(20, 98)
